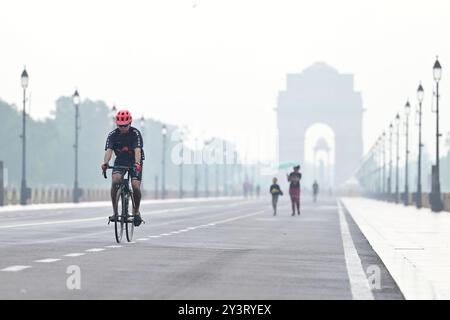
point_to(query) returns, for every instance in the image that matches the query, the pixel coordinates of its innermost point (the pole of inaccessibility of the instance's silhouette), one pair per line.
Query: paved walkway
(413, 244)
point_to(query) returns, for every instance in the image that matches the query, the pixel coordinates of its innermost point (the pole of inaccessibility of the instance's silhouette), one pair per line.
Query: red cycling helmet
(123, 117)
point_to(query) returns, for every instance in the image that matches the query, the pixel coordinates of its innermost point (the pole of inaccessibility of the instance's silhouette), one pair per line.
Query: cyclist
(126, 142)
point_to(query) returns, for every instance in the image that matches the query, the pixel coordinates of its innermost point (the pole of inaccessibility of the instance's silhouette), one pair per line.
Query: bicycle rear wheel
(119, 221)
(129, 221)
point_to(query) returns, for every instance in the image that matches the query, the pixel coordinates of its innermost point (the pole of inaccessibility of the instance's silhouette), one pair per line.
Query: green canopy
(288, 164)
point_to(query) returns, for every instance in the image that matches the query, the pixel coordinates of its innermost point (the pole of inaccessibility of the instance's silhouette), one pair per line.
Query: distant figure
(258, 189)
(245, 189)
(294, 189)
(275, 191)
(315, 190)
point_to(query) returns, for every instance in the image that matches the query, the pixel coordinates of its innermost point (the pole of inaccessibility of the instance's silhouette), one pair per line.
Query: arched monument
(320, 94)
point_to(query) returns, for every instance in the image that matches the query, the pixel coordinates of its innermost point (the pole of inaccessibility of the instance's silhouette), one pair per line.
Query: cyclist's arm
(137, 155)
(108, 155)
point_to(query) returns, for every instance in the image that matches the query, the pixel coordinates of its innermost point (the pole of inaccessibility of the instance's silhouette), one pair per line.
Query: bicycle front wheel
(129, 222)
(119, 221)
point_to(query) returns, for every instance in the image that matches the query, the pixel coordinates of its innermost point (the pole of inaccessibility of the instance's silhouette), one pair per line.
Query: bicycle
(123, 195)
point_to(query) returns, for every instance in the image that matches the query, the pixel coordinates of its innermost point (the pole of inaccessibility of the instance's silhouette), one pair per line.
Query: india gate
(320, 94)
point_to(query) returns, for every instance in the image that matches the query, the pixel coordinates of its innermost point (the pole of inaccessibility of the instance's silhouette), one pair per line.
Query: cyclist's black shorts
(133, 174)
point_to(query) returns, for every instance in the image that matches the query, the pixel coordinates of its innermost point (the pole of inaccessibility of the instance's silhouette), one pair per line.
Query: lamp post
(435, 197)
(76, 102)
(163, 175)
(419, 161)
(407, 111)
(225, 174)
(196, 170)
(142, 125)
(114, 111)
(206, 143)
(383, 139)
(397, 123)
(23, 185)
(391, 129)
(181, 167)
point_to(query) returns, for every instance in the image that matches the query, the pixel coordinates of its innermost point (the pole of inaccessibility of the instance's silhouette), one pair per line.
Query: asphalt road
(215, 249)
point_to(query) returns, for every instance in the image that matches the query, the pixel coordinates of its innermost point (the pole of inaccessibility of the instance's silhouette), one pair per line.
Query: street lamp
(384, 163)
(163, 183)
(435, 196)
(142, 124)
(407, 111)
(205, 145)
(397, 123)
(420, 95)
(391, 129)
(114, 111)
(24, 191)
(181, 165)
(196, 170)
(76, 102)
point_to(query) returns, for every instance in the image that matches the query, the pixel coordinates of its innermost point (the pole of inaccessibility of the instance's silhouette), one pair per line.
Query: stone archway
(321, 94)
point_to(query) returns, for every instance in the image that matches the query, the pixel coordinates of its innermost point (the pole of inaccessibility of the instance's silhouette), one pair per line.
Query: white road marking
(74, 254)
(106, 204)
(95, 250)
(15, 268)
(51, 222)
(114, 246)
(154, 236)
(165, 234)
(143, 239)
(49, 260)
(358, 281)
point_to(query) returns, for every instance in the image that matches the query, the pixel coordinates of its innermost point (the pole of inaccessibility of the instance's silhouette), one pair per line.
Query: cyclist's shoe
(137, 219)
(112, 218)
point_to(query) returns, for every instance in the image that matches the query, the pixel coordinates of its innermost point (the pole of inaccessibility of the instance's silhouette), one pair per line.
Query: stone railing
(11, 196)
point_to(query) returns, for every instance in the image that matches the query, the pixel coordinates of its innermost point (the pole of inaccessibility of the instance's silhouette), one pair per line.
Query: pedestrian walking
(294, 188)
(275, 191)
(315, 190)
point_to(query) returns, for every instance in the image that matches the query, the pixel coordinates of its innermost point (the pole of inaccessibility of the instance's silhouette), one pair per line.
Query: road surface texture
(204, 249)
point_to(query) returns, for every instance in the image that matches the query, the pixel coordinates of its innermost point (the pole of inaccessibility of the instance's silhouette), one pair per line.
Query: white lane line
(49, 260)
(15, 268)
(77, 254)
(358, 281)
(183, 230)
(114, 246)
(95, 250)
(50, 223)
(165, 234)
(154, 236)
(143, 239)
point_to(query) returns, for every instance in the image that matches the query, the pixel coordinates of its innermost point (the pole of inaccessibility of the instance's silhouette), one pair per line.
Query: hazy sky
(217, 65)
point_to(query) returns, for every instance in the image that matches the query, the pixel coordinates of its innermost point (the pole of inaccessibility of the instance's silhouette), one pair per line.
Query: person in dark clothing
(315, 190)
(275, 191)
(127, 144)
(294, 188)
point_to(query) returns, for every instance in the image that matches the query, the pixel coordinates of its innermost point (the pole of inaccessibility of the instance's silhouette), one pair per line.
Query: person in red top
(294, 189)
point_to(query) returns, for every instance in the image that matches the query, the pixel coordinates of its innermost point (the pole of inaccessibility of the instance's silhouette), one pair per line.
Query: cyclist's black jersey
(124, 144)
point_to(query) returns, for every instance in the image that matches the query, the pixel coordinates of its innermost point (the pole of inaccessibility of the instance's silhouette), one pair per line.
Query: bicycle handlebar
(116, 167)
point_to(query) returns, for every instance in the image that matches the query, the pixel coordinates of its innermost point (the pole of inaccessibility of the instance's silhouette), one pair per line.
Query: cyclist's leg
(115, 181)
(136, 179)
(136, 185)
